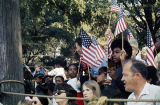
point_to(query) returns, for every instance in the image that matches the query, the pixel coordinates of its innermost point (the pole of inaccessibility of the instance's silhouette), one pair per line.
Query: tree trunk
(10, 50)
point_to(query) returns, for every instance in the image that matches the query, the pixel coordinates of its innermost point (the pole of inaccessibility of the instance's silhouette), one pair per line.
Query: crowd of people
(126, 76)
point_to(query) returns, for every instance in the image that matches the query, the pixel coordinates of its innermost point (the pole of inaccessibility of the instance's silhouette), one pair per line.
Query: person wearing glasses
(65, 90)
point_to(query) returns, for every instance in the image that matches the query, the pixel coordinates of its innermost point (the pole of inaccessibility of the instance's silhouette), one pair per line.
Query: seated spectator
(59, 80)
(134, 77)
(152, 75)
(65, 90)
(91, 90)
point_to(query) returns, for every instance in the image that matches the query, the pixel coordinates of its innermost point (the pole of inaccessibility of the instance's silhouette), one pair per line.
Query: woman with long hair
(91, 90)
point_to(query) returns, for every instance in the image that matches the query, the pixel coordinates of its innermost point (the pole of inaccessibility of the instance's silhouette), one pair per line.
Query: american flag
(150, 48)
(99, 51)
(129, 34)
(121, 24)
(115, 6)
(92, 54)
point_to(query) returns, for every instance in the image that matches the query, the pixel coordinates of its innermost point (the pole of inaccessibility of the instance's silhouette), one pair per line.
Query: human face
(60, 93)
(112, 72)
(58, 81)
(129, 78)
(38, 80)
(72, 71)
(101, 78)
(116, 55)
(78, 48)
(87, 92)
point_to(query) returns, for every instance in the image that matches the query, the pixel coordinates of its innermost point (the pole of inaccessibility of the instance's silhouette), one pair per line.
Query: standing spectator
(136, 54)
(144, 54)
(119, 57)
(134, 77)
(157, 56)
(152, 77)
(60, 63)
(78, 44)
(65, 90)
(59, 80)
(74, 81)
(38, 69)
(157, 43)
(42, 87)
(91, 90)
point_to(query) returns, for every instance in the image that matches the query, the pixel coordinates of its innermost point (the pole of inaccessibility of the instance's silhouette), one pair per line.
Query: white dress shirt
(149, 92)
(75, 84)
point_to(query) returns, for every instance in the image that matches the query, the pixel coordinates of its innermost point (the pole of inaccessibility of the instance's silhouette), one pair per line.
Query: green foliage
(142, 11)
(49, 27)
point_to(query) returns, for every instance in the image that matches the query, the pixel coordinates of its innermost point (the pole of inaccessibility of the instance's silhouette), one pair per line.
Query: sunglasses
(59, 92)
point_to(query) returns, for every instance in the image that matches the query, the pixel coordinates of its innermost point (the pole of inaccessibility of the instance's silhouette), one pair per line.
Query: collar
(145, 90)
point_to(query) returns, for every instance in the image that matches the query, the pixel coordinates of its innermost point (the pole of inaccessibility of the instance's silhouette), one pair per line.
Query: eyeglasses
(59, 92)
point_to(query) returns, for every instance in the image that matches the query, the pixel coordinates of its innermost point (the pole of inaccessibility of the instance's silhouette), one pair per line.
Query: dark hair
(103, 69)
(118, 44)
(138, 66)
(51, 86)
(40, 76)
(60, 60)
(70, 92)
(79, 41)
(28, 87)
(44, 101)
(74, 64)
(111, 63)
(152, 74)
(60, 77)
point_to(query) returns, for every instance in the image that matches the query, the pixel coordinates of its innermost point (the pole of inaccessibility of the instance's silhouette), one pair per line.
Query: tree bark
(10, 50)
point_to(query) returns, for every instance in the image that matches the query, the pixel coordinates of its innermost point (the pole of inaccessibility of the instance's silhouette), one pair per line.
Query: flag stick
(122, 42)
(109, 20)
(78, 69)
(89, 73)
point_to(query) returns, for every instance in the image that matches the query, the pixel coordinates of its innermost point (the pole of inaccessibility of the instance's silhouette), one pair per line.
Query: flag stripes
(150, 48)
(129, 34)
(115, 6)
(121, 24)
(92, 52)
